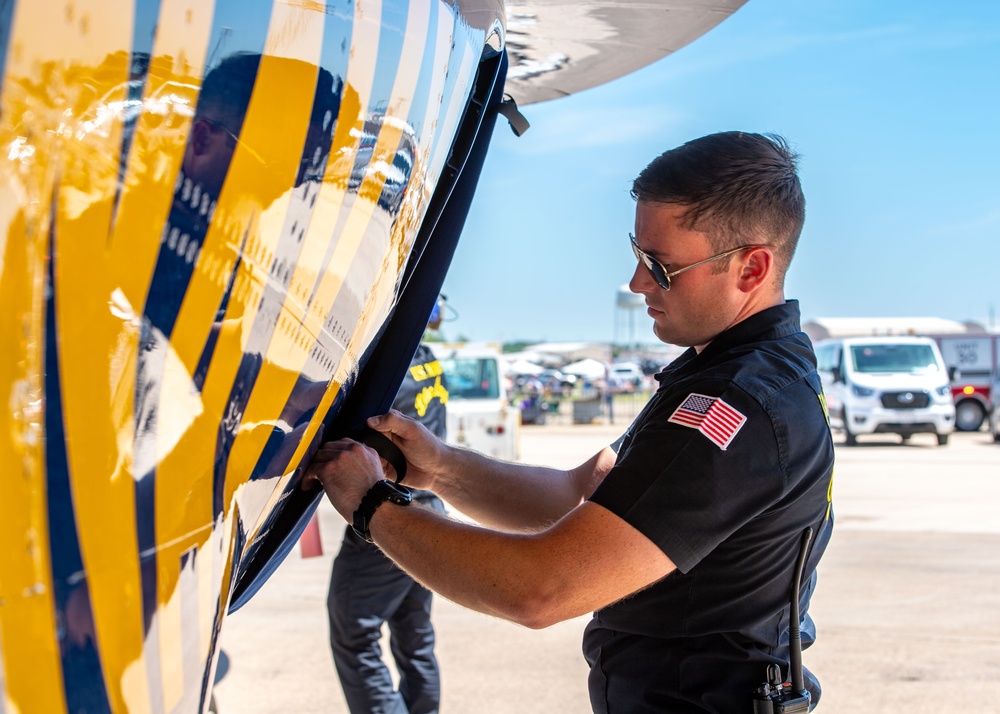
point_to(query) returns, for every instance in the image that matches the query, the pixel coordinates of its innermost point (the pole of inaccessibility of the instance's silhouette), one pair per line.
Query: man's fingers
(330, 449)
(393, 423)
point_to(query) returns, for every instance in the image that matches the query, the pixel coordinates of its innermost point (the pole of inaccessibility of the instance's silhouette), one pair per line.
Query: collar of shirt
(772, 323)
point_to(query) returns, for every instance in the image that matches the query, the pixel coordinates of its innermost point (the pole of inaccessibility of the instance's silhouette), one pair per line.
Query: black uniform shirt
(724, 468)
(423, 395)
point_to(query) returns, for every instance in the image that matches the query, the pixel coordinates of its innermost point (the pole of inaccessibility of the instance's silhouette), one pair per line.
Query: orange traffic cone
(309, 541)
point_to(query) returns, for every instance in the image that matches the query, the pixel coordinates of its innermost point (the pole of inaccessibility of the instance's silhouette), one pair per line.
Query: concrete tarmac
(907, 603)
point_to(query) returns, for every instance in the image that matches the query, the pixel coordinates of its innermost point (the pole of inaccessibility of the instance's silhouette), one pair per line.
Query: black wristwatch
(384, 490)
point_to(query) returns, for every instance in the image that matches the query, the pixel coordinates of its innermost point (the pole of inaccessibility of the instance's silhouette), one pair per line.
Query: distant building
(824, 327)
(574, 351)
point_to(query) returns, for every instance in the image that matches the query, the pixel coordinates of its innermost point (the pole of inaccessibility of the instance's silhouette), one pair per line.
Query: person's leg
(412, 643)
(411, 639)
(365, 589)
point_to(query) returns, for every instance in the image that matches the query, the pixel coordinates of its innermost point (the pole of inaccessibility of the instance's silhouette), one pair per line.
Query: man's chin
(671, 337)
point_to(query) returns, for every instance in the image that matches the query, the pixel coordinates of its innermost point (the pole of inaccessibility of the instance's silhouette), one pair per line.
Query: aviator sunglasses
(660, 273)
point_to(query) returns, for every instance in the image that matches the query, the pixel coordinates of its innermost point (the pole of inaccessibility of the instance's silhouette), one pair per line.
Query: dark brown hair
(739, 189)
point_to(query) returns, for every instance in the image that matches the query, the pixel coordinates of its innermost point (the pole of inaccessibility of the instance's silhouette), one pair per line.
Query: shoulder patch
(711, 416)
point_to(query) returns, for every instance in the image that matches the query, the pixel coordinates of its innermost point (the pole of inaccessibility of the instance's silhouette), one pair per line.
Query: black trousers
(366, 591)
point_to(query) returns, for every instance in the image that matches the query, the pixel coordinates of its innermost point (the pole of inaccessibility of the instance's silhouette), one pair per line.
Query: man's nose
(642, 281)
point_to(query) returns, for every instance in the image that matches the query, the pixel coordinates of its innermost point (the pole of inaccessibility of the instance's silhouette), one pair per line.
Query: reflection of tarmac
(907, 604)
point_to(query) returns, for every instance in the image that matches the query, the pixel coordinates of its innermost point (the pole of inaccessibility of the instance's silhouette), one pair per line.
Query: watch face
(393, 492)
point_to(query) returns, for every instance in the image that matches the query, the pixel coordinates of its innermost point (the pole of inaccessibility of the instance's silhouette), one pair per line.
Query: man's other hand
(424, 452)
(346, 469)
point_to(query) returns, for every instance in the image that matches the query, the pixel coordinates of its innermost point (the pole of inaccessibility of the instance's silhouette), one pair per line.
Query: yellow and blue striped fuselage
(206, 210)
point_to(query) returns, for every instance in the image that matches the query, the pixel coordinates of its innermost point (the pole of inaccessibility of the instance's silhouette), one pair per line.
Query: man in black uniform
(682, 537)
(368, 590)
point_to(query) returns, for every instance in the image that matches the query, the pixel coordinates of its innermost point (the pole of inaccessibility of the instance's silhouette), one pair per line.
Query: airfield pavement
(907, 606)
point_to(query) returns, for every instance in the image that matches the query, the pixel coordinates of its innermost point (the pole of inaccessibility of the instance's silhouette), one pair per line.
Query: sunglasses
(219, 126)
(662, 275)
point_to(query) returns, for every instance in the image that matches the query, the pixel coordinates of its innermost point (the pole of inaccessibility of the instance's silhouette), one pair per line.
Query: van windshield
(472, 377)
(893, 358)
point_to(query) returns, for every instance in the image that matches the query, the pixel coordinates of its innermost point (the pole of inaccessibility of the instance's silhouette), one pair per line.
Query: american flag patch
(711, 416)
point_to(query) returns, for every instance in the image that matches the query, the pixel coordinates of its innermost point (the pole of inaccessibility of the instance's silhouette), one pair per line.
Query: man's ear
(201, 137)
(756, 268)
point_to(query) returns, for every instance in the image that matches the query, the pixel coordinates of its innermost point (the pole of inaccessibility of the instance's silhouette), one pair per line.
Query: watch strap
(379, 493)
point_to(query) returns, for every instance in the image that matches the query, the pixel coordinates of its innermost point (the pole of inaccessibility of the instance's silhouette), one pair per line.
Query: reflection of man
(367, 589)
(682, 537)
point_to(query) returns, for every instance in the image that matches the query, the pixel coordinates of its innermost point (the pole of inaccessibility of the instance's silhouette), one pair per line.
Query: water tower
(629, 311)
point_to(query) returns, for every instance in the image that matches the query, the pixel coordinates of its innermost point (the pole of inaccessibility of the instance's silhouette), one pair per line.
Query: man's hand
(346, 469)
(424, 452)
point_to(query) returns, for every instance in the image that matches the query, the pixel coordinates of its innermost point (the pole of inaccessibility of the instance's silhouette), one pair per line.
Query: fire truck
(971, 360)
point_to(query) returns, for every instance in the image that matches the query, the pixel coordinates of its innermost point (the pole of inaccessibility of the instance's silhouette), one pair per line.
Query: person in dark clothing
(683, 535)
(367, 590)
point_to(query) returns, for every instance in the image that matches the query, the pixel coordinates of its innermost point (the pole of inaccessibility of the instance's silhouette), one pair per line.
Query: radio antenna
(794, 636)
(776, 696)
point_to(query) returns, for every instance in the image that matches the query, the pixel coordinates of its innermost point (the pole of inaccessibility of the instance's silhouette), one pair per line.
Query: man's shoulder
(764, 368)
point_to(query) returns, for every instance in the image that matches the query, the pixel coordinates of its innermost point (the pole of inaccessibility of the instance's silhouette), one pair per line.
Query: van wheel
(849, 438)
(942, 439)
(905, 437)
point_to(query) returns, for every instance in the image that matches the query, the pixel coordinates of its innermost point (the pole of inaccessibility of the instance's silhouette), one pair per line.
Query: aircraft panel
(193, 279)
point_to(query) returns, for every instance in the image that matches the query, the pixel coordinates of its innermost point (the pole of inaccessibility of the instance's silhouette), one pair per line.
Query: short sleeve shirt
(730, 461)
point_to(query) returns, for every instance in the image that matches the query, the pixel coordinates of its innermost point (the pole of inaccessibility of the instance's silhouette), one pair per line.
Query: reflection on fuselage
(207, 212)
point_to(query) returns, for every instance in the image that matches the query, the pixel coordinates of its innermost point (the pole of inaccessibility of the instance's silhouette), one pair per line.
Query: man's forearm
(504, 495)
(587, 560)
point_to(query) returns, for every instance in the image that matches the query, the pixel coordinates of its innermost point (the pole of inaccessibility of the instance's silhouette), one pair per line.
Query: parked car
(625, 375)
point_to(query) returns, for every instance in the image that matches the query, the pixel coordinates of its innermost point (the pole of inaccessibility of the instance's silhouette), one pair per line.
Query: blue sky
(894, 106)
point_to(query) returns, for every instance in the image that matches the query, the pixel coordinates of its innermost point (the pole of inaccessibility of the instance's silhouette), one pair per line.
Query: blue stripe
(6, 19)
(387, 60)
(143, 31)
(83, 676)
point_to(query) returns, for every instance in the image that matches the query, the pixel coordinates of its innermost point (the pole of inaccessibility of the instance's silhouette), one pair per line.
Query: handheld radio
(775, 696)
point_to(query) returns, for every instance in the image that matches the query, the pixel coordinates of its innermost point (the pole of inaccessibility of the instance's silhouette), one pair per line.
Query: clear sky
(894, 106)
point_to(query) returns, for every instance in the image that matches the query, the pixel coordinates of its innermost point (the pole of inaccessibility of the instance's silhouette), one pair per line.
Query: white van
(886, 385)
(479, 416)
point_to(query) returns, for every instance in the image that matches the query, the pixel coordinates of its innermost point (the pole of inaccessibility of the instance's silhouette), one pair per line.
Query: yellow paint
(74, 87)
(29, 649)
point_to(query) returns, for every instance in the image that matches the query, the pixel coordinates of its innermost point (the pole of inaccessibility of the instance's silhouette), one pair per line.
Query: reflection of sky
(390, 48)
(339, 20)
(418, 109)
(238, 26)
(146, 14)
